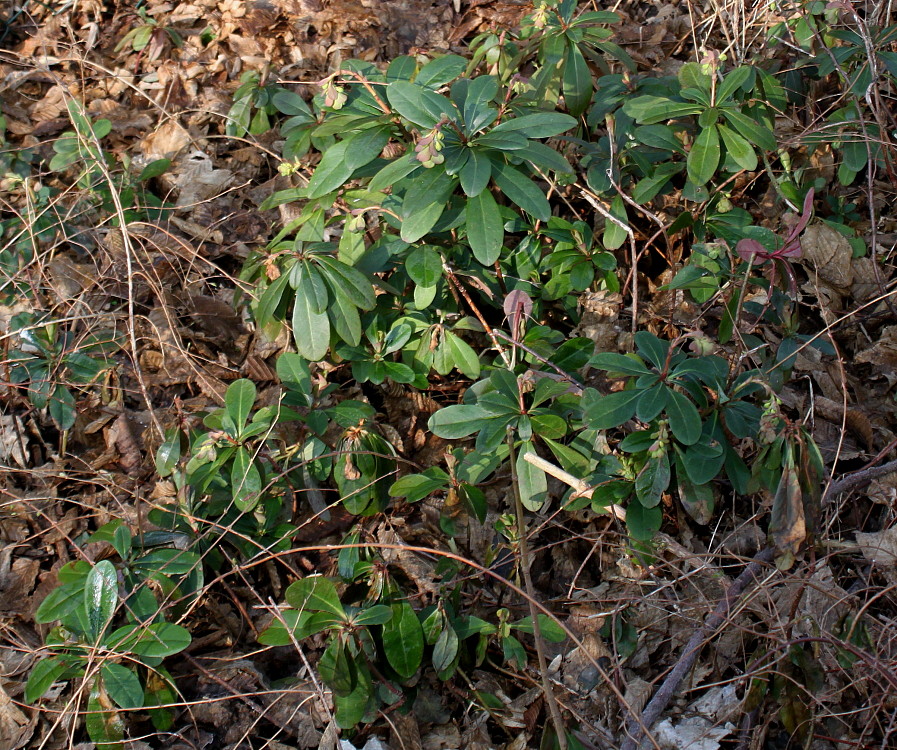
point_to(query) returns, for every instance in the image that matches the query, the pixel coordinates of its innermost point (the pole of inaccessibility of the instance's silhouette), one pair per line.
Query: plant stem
(554, 709)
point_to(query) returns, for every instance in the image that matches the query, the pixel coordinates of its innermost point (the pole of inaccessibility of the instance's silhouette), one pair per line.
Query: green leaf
(418, 223)
(344, 319)
(419, 105)
(100, 598)
(440, 71)
(751, 130)
(739, 149)
(271, 299)
(365, 146)
(652, 402)
(538, 124)
(393, 172)
(649, 110)
(464, 356)
(531, 481)
(453, 422)
(577, 81)
(732, 82)
(104, 726)
(403, 640)
(62, 407)
(238, 401)
(294, 373)
(548, 627)
(338, 669)
(521, 189)
(123, 685)
(332, 171)
(445, 649)
(352, 282)
(612, 410)
(45, 672)
(161, 639)
(614, 234)
(643, 522)
(169, 453)
(378, 614)
(697, 499)
(478, 97)
(485, 228)
(653, 480)
(476, 173)
(703, 159)
(544, 157)
(246, 481)
(315, 593)
(311, 330)
(685, 421)
(619, 363)
(416, 487)
(424, 266)
(154, 169)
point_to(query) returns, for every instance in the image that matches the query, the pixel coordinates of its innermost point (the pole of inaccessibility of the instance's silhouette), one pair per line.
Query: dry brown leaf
(16, 728)
(830, 255)
(883, 490)
(883, 352)
(879, 547)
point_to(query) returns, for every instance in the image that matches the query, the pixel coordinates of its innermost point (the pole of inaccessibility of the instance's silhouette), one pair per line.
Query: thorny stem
(550, 699)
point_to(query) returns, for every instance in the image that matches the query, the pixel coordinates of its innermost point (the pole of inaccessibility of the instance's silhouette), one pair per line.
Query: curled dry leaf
(829, 253)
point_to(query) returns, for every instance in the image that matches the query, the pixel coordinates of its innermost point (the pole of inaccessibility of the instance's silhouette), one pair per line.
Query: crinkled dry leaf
(883, 490)
(829, 253)
(883, 352)
(879, 547)
(865, 286)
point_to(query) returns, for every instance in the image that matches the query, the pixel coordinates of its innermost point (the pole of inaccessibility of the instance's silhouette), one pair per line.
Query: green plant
(113, 633)
(47, 361)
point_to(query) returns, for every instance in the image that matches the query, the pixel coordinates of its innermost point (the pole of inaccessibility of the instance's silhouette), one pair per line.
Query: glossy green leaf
(100, 597)
(332, 171)
(476, 173)
(751, 130)
(353, 283)
(311, 330)
(238, 401)
(653, 480)
(445, 649)
(377, 614)
(62, 407)
(453, 422)
(104, 725)
(416, 487)
(419, 105)
(123, 685)
(619, 363)
(703, 159)
(531, 481)
(246, 480)
(403, 640)
(738, 148)
(611, 410)
(485, 228)
(418, 223)
(685, 421)
(538, 124)
(522, 190)
(44, 673)
(440, 71)
(315, 593)
(577, 81)
(463, 355)
(424, 266)
(161, 639)
(549, 628)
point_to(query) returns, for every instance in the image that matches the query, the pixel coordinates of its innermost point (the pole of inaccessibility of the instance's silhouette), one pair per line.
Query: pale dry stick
(550, 698)
(593, 201)
(582, 489)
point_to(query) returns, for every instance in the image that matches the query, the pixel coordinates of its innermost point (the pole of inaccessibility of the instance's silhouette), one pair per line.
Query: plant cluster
(440, 234)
